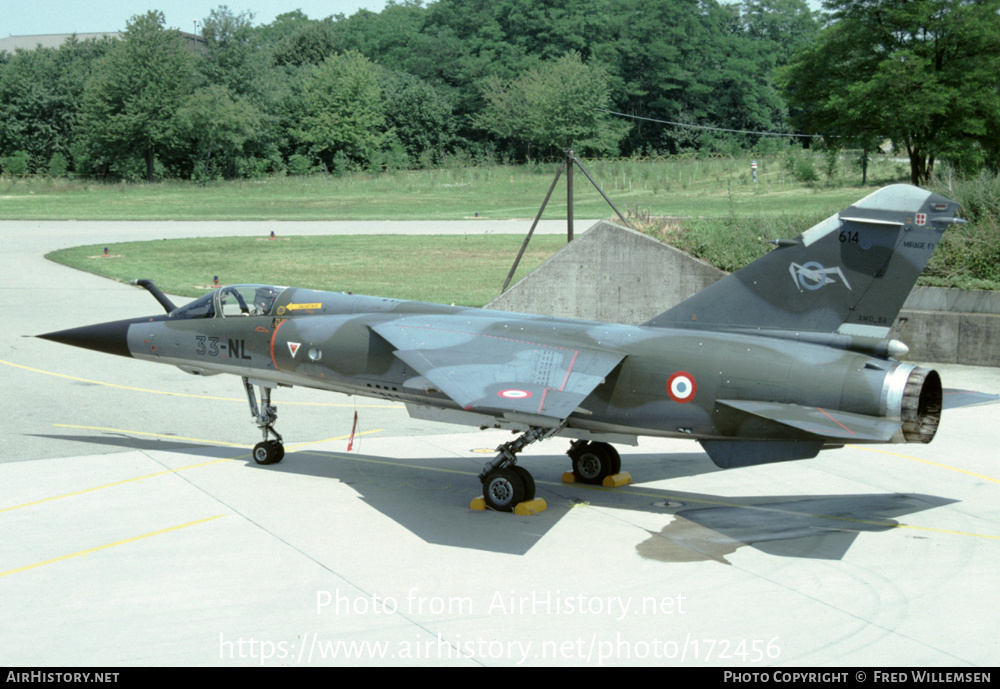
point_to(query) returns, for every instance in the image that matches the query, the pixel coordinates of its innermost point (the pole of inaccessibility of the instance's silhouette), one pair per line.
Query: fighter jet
(784, 358)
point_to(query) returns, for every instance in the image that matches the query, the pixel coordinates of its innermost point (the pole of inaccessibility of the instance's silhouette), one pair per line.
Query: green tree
(693, 61)
(283, 26)
(923, 73)
(234, 56)
(308, 42)
(58, 165)
(780, 27)
(551, 28)
(129, 104)
(16, 164)
(391, 37)
(343, 110)
(217, 125)
(463, 42)
(419, 114)
(554, 106)
(238, 58)
(39, 97)
(736, 90)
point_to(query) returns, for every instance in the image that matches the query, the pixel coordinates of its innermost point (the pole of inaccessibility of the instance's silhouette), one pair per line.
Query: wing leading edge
(487, 366)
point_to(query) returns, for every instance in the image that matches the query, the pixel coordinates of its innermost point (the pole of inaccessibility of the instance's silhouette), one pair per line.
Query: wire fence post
(569, 194)
(601, 192)
(527, 239)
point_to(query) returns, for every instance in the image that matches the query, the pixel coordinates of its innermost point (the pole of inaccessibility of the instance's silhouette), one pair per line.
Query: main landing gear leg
(504, 483)
(266, 451)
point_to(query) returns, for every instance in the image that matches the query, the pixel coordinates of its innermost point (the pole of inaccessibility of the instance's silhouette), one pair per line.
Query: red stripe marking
(565, 380)
(273, 338)
(542, 403)
(836, 422)
(568, 369)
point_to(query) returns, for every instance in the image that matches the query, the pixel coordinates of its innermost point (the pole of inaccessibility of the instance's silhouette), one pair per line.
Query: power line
(699, 126)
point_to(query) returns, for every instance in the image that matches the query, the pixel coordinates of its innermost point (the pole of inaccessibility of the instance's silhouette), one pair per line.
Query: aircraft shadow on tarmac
(430, 498)
(127, 442)
(955, 399)
(816, 526)
(704, 527)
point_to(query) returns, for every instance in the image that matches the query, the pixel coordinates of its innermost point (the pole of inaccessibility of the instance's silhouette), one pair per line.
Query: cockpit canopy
(231, 301)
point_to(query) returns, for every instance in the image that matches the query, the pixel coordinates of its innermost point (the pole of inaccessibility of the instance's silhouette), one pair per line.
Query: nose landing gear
(267, 451)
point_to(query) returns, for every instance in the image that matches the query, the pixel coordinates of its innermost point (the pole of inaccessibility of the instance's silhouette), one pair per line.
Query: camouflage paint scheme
(775, 362)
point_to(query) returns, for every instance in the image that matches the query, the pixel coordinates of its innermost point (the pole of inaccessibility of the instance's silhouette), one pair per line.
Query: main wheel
(268, 452)
(529, 482)
(616, 459)
(503, 489)
(592, 462)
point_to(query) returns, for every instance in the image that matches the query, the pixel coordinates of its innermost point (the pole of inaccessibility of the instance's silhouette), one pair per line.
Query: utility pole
(567, 164)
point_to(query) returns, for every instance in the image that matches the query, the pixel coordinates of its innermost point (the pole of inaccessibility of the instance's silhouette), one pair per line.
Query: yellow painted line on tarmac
(110, 485)
(155, 435)
(200, 397)
(330, 440)
(95, 549)
(214, 442)
(165, 471)
(939, 465)
(115, 385)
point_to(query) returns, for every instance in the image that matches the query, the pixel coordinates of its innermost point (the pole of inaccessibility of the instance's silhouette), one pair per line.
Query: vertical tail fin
(850, 274)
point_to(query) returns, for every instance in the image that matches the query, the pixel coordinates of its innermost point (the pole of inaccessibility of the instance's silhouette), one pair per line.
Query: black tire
(268, 452)
(616, 459)
(503, 489)
(592, 462)
(529, 482)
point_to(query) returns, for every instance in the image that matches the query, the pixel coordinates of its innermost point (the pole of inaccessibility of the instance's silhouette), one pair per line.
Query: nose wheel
(268, 451)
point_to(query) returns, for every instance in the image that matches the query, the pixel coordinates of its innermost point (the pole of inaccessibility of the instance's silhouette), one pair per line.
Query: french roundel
(514, 394)
(681, 387)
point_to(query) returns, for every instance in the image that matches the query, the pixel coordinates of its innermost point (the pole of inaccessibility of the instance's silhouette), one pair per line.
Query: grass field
(466, 269)
(671, 187)
(727, 221)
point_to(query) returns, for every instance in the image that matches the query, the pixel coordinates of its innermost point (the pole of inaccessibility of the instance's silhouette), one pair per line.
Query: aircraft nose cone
(111, 338)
